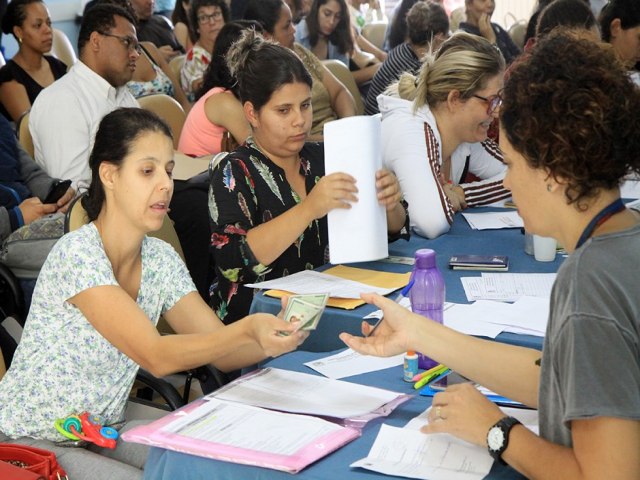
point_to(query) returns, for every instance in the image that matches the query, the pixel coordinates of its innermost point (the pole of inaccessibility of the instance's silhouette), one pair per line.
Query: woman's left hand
(463, 411)
(389, 193)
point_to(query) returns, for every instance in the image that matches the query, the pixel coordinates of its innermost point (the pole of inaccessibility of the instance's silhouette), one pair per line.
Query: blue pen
(403, 293)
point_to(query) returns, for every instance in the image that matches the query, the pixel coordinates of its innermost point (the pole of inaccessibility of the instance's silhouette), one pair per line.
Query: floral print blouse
(63, 365)
(246, 190)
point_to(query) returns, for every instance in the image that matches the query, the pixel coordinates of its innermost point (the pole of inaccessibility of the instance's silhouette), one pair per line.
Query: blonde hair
(464, 63)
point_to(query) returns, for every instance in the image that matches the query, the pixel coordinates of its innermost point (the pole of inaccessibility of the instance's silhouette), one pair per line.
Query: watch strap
(505, 425)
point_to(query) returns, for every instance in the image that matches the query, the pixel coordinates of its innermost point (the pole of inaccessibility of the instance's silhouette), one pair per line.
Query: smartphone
(451, 378)
(58, 189)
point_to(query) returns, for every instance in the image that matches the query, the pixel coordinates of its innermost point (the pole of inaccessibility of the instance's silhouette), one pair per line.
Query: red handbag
(19, 459)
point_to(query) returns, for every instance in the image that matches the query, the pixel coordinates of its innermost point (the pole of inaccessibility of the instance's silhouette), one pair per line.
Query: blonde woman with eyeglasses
(206, 18)
(434, 132)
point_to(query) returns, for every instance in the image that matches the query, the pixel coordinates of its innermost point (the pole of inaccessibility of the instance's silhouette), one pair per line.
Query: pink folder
(153, 434)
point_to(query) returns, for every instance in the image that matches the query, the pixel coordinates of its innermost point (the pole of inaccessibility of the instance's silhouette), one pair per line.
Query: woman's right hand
(337, 190)
(267, 331)
(486, 29)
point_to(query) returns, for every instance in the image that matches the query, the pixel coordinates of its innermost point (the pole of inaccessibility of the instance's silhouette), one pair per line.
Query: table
(168, 465)
(460, 239)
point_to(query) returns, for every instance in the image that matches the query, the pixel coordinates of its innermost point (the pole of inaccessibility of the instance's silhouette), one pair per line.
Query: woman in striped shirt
(434, 133)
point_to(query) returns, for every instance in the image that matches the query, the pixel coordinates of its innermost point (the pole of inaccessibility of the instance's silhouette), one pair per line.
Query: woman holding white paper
(564, 170)
(434, 132)
(269, 198)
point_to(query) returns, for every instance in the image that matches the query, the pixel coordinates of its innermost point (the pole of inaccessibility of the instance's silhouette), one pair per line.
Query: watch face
(495, 438)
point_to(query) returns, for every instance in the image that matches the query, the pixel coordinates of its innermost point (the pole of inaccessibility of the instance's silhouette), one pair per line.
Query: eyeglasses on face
(494, 102)
(212, 17)
(130, 43)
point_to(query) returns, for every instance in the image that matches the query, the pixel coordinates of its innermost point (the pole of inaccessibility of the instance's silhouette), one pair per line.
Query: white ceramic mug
(544, 248)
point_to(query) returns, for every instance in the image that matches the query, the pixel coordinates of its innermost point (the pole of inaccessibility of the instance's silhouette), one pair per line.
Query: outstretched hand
(392, 337)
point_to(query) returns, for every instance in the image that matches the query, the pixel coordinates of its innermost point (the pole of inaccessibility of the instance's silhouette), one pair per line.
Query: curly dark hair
(570, 108)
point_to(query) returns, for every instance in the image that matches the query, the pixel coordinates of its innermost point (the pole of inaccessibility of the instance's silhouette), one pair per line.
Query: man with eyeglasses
(156, 29)
(65, 116)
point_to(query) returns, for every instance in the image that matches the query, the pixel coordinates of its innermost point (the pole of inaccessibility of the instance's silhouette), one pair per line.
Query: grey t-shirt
(591, 356)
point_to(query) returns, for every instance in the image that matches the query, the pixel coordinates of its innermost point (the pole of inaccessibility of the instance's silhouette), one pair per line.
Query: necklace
(605, 214)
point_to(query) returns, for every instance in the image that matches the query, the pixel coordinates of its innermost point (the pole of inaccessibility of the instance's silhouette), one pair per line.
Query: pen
(403, 293)
(429, 378)
(427, 372)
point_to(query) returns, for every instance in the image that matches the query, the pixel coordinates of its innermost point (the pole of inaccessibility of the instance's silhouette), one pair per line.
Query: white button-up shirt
(64, 120)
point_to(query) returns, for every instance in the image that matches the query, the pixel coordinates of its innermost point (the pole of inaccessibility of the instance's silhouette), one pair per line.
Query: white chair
(375, 33)
(342, 73)
(517, 32)
(176, 64)
(62, 49)
(169, 110)
(24, 134)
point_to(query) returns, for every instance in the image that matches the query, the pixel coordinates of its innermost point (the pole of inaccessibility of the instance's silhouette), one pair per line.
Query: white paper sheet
(508, 287)
(358, 234)
(494, 220)
(298, 392)
(409, 453)
(310, 281)
(348, 363)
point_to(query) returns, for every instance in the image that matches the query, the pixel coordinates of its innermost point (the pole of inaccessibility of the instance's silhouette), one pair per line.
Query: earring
(19, 40)
(548, 187)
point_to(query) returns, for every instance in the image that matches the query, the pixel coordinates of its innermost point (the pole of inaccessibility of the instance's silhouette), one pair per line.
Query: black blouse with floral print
(246, 190)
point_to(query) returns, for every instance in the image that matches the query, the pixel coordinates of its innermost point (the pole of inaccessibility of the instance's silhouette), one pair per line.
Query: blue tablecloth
(461, 239)
(168, 465)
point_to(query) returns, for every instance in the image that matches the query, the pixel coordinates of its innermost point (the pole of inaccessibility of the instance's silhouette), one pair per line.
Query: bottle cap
(425, 258)
(410, 353)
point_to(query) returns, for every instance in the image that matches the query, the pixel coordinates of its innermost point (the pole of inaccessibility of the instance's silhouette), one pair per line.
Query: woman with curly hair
(570, 135)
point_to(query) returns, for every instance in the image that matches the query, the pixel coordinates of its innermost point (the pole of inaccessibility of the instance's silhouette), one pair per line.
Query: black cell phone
(58, 189)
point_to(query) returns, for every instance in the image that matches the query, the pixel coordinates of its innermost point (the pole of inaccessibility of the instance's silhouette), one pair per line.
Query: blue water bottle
(427, 294)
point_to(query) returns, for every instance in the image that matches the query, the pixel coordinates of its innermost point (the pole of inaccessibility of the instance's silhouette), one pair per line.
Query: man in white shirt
(65, 116)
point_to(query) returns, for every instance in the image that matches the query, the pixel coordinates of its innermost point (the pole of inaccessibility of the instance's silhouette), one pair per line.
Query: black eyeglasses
(494, 102)
(215, 16)
(129, 42)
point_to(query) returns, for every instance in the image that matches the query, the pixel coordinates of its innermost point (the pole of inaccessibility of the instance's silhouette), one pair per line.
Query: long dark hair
(341, 35)
(266, 12)
(217, 73)
(116, 133)
(398, 27)
(180, 15)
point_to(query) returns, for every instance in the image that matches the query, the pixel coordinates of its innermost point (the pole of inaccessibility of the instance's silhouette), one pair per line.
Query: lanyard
(605, 214)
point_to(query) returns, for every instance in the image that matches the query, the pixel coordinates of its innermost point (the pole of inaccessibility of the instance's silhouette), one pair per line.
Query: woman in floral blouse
(268, 198)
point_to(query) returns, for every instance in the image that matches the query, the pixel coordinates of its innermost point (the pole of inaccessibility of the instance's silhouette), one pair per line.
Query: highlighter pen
(427, 372)
(403, 293)
(431, 377)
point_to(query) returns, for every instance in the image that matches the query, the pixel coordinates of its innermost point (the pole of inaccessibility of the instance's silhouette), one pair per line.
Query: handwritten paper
(359, 234)
(493, 220)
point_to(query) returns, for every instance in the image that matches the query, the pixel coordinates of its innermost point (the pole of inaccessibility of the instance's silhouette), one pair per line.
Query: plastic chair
(62, 48)
(169, 110)
(375, 33)
(176, 63)
(517, 32)
(342, 73)
(24, 134)
(3, 62)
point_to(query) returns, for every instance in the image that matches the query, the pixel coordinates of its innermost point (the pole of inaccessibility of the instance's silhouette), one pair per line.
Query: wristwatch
(498, 437)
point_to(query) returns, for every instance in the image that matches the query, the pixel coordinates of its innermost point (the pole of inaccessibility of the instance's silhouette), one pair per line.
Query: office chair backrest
(24, 134)
(62, 49)
(342, 73)
(169, 110)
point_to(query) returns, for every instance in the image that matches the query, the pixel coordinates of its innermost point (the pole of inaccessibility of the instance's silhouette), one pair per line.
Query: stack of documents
(249, 421)
(407, 452)
(343, 284)
(494, 220)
